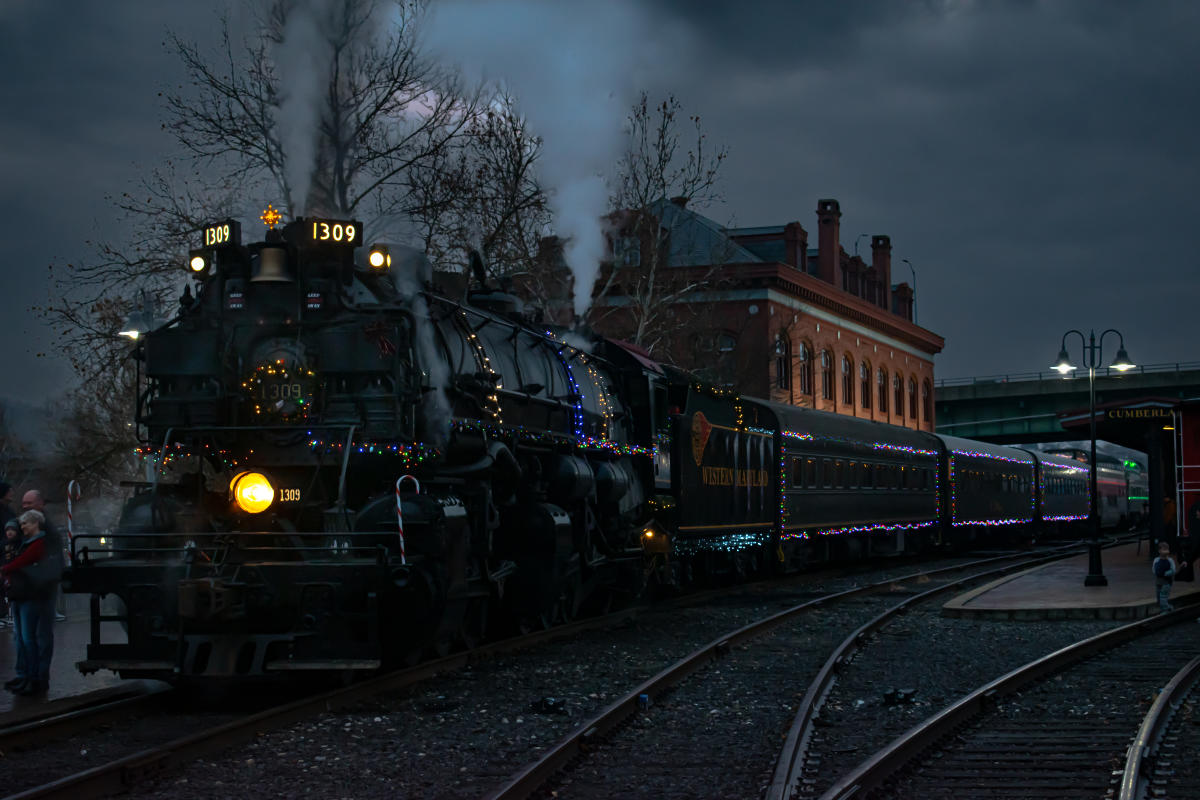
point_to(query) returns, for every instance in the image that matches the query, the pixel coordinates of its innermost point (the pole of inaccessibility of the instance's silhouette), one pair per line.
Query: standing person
(35, 613)
(33, 500)
(6, 497)
(1164, 576)
(8, 551)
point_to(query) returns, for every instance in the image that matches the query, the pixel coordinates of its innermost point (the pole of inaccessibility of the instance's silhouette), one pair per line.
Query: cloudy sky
(1035, 161)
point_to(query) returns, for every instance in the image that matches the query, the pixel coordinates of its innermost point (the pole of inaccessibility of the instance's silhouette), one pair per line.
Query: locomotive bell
(272, 266)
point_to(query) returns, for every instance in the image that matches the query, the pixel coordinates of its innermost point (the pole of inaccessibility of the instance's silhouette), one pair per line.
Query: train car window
(852, 475)
(903, 477)
(839, 474)
(810, 473)
(866, 480)
(797, 472)
(826, 473)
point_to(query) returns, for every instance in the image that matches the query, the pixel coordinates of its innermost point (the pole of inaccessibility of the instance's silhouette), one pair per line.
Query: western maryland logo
(701, 430)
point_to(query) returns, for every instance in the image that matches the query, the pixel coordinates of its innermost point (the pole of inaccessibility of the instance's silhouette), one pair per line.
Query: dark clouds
(1036, 161)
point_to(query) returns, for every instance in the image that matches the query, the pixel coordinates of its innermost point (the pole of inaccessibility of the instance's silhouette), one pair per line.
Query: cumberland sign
(1138, 414)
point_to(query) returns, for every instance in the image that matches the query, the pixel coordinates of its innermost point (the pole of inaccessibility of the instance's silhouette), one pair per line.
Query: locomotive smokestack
(477, 268)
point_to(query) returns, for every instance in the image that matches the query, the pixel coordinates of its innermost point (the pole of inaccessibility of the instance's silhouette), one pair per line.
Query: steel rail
(1143, 751)
(533, 776)
(85, 712)
(791, 756)
(123, 773)
(877, 769)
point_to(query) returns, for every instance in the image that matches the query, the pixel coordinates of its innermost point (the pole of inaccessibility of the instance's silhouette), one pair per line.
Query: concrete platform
(1056, 591)
(70, 645)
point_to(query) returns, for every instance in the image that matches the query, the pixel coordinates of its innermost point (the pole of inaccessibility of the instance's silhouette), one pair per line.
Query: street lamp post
(858, 239)
(1093, 355)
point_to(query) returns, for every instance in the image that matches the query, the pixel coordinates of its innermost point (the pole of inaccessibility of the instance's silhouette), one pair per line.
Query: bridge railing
(1046, 375)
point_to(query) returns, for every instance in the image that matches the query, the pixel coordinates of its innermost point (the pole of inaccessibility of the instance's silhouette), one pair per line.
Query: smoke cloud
(571, 66)
(303, 60)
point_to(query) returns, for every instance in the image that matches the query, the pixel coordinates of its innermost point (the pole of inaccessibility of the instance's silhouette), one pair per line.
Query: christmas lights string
(725, 543)
(286, 408)
(985, 522)
(882, 527)
(485, 365)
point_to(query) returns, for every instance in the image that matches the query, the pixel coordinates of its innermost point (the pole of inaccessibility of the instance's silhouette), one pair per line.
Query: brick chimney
(795, 243)
(881, 260)
(828, 247)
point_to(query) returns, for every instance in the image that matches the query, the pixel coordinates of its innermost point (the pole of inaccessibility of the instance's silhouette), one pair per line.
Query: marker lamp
(379, 258)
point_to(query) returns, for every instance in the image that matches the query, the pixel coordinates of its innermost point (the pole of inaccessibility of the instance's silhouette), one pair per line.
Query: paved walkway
(1056, 591)
(70, 645)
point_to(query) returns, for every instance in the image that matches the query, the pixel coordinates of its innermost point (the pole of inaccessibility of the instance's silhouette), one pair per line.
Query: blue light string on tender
(725, 543)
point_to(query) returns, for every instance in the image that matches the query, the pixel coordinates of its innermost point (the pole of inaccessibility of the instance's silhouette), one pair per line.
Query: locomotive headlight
(198, 264)
(379, 258)
(252, 492)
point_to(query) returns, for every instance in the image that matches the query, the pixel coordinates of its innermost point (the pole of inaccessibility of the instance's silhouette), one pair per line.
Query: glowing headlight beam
(252, 492)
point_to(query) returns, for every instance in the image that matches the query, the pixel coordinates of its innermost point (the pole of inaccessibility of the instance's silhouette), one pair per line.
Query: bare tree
(652, 175)
(377, 114)
(486, 193)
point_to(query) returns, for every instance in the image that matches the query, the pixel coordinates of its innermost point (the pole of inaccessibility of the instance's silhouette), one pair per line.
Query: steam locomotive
(347, 468)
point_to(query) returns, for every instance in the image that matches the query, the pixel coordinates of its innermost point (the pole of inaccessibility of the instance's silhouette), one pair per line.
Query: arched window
(783, 361)
(806, 369)
(826, 375)
(864, 388)
(926, 402)
(912, 399)
(881, 379)
(847, 381)
(898, 394)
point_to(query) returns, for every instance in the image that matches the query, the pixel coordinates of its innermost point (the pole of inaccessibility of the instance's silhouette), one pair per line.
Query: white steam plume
(303, 60)
(570, 66)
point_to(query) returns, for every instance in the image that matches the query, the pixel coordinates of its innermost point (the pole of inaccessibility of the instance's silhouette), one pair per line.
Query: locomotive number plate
(222, 234)
(334, 232)
(289, 494)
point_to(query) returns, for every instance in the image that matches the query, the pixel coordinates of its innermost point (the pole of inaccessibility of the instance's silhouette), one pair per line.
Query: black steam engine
(347, 468)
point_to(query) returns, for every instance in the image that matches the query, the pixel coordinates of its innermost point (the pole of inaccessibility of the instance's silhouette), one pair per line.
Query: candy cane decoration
(400, 511)
(73, 493)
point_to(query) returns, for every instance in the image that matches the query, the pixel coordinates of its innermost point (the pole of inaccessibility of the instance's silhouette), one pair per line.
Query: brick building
(760, 310)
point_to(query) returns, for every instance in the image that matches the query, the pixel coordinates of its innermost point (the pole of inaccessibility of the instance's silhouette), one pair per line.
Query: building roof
(696, 240)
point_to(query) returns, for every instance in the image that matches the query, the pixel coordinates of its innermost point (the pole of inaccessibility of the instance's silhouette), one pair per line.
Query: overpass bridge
(1026, 407)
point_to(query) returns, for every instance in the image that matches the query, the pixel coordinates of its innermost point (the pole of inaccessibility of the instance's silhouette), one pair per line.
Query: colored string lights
(278, 390)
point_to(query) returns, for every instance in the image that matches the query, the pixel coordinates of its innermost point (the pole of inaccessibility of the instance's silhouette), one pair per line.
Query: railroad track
(1060, 726)
(588, 761)
(132, 768)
